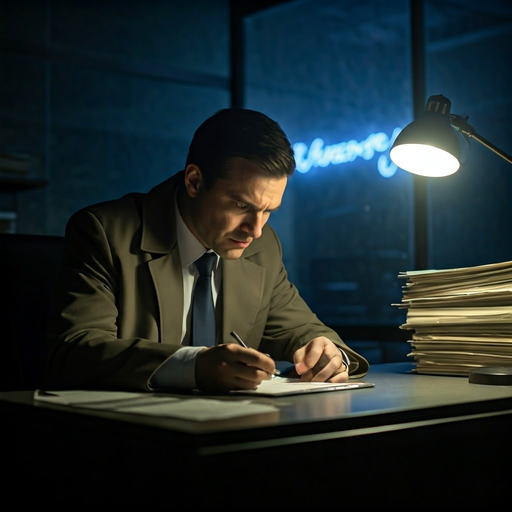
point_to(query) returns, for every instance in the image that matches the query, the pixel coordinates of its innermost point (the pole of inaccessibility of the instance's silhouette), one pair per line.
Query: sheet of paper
(280, 386)
(195, 409)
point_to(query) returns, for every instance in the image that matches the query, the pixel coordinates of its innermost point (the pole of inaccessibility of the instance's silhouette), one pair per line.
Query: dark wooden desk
(411, 441)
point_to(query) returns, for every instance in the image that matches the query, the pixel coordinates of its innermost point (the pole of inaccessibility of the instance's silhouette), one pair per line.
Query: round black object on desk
(495, 375)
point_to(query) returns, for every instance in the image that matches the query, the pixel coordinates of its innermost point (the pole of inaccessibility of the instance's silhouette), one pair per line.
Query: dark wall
(105, 96)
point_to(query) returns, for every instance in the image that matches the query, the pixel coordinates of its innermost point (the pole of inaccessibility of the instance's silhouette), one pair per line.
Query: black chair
(29, 268)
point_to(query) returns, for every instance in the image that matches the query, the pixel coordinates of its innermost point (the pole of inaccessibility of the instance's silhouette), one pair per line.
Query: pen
(242, 342)
(237, 338)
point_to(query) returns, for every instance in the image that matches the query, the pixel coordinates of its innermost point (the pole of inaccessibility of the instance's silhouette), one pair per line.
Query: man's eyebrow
(253, 206)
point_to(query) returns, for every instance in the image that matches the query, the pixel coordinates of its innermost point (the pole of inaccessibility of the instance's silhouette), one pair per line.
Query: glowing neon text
(318, 155)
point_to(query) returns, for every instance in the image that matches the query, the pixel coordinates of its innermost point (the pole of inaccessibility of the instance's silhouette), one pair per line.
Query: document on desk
(155, 404)
(283, 386)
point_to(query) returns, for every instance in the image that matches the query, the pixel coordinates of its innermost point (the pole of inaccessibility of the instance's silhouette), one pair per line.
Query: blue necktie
(203, 313)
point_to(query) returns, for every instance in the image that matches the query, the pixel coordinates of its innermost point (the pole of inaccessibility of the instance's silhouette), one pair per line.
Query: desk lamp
(429, 147)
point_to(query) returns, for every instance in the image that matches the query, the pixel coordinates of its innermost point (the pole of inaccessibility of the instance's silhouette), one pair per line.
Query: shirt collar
(189, 246)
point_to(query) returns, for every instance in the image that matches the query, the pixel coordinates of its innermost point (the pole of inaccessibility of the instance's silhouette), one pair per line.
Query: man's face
(229, 216)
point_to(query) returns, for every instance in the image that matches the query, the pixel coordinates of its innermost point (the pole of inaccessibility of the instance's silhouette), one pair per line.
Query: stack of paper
(461, 318)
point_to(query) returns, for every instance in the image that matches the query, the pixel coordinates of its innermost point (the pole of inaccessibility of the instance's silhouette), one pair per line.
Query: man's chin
(232, 254)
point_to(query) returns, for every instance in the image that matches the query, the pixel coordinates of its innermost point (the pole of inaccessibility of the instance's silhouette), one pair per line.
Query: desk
(412, 440)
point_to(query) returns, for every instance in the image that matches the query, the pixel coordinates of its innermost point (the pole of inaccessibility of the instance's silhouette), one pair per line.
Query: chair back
(29, 269)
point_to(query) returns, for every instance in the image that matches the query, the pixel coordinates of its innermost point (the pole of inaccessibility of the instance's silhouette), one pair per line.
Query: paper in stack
(461, 317)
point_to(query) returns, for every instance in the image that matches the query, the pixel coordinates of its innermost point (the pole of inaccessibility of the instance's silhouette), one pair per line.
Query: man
(124, 310)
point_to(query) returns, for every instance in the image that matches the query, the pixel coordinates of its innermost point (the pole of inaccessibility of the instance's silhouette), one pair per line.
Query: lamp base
(493, 375)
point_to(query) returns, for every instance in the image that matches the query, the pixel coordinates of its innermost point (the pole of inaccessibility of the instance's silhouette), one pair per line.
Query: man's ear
(193, 179)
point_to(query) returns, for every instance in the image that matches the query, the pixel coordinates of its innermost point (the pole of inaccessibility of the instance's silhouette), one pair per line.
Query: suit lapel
(168, 282)
(245, 281)
(160, 239)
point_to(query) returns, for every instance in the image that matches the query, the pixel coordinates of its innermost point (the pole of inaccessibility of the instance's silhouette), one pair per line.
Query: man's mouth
(241, 244)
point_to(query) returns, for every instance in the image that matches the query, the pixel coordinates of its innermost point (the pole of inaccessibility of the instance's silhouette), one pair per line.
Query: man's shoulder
(115, 215)
(131, 201)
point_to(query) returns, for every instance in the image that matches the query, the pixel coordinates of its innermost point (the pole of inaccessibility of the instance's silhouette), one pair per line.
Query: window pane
(336, 75)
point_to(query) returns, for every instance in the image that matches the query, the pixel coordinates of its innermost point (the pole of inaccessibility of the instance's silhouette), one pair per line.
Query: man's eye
(242, 206)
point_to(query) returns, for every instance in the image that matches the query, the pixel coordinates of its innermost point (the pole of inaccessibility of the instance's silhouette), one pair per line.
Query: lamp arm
(461, 124)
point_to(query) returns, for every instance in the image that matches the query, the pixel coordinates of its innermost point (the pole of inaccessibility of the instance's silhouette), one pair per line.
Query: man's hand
(320, 361)
(230, 366)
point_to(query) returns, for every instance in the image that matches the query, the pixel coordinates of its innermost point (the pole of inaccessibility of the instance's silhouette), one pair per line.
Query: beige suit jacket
(119, 310)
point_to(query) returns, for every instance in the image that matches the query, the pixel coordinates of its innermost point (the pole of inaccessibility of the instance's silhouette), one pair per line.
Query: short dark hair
(240, 133)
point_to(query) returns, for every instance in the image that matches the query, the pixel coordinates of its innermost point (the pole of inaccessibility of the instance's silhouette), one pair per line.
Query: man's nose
(254, 224)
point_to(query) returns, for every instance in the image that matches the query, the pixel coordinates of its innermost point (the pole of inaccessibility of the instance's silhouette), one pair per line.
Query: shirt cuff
(179, 371)
(345, 359)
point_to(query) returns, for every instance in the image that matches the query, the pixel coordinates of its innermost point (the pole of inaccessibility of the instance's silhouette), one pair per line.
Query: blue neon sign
(320, 155)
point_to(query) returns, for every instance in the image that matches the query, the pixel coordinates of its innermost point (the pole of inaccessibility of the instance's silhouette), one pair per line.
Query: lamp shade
(429, 145)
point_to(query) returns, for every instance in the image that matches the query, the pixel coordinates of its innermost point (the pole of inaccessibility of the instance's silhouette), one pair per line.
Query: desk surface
(409, 435)
(400, 397)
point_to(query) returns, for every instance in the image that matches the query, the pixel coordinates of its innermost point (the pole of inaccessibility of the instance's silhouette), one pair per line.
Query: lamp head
(429, 145)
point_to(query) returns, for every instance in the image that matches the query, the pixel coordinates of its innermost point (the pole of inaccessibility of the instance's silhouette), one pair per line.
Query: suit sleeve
(83, 349)
(291, 323)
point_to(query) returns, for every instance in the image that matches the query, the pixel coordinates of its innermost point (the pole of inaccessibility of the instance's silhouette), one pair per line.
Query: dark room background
(101, 98)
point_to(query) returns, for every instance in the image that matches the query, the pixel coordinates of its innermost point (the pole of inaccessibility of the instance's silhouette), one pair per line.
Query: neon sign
(319, 155)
